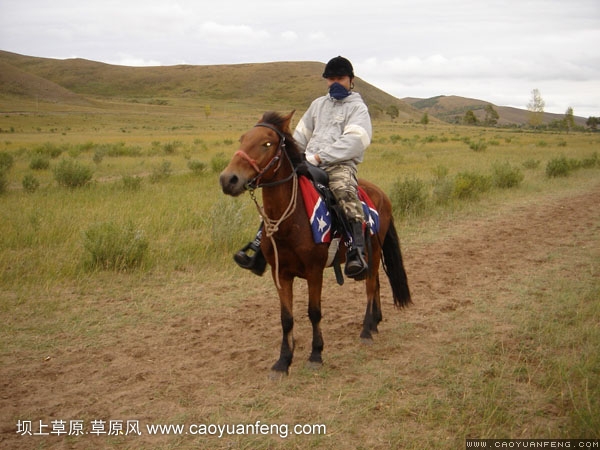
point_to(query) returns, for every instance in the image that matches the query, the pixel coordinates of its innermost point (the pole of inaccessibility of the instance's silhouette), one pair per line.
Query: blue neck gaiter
(339, 92)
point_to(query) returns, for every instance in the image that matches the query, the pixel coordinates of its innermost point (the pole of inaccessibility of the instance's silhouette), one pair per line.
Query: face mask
(337, 91)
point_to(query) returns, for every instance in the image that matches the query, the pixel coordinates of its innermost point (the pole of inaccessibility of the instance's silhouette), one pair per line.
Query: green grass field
(154, 181)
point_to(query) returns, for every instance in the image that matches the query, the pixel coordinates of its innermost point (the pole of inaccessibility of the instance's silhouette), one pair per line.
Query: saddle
(336, 227)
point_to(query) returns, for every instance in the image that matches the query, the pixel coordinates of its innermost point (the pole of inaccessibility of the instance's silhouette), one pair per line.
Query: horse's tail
(394, 267)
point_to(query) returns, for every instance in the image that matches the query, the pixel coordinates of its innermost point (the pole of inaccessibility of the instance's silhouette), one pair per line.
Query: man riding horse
(333, 133)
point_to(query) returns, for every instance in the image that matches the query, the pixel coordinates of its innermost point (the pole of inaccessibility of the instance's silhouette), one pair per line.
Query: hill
(453, 108)
(79, 81)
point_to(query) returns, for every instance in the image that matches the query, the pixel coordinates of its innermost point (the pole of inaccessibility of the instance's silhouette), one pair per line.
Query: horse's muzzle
(232, 184)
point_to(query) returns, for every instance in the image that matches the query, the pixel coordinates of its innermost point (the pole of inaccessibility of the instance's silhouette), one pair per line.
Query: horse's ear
(286, 122)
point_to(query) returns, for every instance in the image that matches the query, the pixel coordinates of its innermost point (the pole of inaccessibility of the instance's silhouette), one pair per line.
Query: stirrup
(255, 263)
(356, 266)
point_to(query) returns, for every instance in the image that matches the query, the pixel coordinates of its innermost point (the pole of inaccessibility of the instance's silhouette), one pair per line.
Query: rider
(334, 133)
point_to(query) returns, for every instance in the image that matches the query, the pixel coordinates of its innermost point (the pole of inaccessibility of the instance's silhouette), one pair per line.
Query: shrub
(69, 173)
(50, 150)
(6, 161)
(161, 172)
(30, 183)
(558, 167)
(590, 162)
(40, 162)
(218, 163)
(442, 186)
(531, 163)
(478, 146)
(197, 167)
(111, 247)
(505, 176)
(409, 196)
(132, 183)
(470, 184)
(3, 181)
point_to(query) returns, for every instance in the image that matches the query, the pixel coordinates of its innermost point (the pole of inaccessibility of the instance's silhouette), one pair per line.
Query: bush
(409, 196)
(30, 183)
(132, 183)
(3, 181)
(531, 163)
(505, 176)
(470, 185)
(40, 162)
(442, 186)
(218, 163)
(48, 149)
(6, 161)
(110, 247)
(558, 167)
(478, 146)
(161, 172)
(69, 173)
(197, 167)
(590, 162)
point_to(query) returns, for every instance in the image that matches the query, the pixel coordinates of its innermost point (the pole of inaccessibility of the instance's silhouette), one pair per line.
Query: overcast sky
(498, 51)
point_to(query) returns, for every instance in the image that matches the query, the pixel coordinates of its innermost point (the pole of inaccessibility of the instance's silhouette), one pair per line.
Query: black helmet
(338, 67)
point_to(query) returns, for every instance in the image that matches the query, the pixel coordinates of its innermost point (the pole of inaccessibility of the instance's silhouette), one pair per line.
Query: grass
(521, 381)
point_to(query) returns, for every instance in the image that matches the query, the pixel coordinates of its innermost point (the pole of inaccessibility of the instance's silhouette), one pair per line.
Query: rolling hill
(79, 81)
(452, 109)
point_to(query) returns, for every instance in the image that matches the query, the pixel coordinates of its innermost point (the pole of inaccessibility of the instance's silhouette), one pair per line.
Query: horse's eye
(267, 145)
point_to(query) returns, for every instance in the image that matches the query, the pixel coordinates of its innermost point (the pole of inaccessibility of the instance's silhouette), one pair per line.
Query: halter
(254, 183)
(272, 226)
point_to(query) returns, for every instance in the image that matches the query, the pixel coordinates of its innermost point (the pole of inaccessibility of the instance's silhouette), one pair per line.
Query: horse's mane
(291, 147)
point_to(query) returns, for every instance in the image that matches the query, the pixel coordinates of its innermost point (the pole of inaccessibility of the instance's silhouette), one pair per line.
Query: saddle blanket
(320, 217)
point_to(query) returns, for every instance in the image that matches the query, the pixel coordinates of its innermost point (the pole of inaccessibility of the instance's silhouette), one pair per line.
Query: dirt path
(210, 365)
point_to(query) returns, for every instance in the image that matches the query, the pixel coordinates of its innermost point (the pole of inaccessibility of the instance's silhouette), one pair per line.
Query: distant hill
(452, 109)
(79, 81)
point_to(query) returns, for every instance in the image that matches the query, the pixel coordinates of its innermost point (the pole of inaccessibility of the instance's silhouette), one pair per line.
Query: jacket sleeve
(304, 129)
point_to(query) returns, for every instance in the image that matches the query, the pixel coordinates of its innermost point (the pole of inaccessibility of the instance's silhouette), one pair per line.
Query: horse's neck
(279, 199)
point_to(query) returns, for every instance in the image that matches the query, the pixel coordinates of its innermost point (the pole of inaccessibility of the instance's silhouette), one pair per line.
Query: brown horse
(268, 158)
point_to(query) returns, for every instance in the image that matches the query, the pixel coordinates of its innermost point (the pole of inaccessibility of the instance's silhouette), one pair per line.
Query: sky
(497, 51)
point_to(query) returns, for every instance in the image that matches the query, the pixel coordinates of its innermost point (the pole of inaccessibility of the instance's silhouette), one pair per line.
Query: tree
(392, 111)
(536, 108)
(569, 119)
(207, 111)
(425, 119)
(470, 118)
(491, 116)
(593, 122)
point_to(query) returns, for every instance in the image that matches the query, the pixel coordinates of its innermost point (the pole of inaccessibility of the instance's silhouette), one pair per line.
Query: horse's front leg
(281, 367)
(315, 285)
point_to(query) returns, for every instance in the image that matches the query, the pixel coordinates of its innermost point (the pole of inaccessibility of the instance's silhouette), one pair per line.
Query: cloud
(230, 34)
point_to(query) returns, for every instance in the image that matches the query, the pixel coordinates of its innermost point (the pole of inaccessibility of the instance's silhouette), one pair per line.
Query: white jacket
(339, 131)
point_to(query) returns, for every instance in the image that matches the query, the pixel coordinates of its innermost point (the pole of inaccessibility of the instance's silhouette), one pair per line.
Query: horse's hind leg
(373, 313)
(314, 313)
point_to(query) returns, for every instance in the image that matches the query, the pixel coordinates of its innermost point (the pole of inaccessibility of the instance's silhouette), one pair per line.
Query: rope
(272, 226)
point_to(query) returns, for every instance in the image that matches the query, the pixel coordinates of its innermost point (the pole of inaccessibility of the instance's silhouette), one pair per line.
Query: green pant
(344, 185)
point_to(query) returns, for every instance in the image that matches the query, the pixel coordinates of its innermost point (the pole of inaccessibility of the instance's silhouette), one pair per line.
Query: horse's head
(259, 155)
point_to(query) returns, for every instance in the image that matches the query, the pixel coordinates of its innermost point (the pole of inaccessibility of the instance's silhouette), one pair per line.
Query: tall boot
(251, 257)
(356, 265)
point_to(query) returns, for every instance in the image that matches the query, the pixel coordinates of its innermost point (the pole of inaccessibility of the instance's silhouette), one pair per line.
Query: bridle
(272, 226)
(254, 183)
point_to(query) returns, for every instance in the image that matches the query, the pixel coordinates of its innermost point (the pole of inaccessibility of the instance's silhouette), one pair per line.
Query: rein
(271, 226)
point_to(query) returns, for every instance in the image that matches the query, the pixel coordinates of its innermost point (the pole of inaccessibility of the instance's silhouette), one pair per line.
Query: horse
(268, 158)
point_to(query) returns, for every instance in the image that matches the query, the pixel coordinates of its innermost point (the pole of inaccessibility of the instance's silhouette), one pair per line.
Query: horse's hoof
(314, 365)
(366, 341)
(276, 375)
